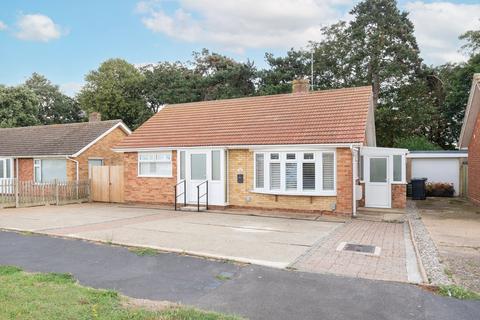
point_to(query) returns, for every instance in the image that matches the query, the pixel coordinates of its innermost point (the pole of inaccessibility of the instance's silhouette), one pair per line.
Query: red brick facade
(344, 180)
(102, 149)
(25, 169)
(399, 196)
(147, 189)
(474, 165)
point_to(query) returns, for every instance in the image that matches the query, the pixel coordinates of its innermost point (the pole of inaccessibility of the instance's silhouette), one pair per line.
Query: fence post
(56, 192)
(17, 190)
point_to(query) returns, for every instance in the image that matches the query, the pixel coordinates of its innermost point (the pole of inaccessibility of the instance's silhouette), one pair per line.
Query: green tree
(115, 90)
(54, 106)
(222, 77)
(167, 83)
(472, 37)
(282, 70)
(18, 107)
(416, 143)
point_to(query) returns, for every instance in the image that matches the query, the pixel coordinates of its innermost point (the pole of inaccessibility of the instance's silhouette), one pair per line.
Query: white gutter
(252, 147)
(76, 165)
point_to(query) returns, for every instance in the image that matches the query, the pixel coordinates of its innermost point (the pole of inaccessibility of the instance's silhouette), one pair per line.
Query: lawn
(58, 296)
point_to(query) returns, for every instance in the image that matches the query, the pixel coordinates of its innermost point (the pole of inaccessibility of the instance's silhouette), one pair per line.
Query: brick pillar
(344, 181)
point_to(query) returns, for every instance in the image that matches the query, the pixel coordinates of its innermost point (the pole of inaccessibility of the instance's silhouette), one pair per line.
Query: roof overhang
(249, 147)
(120, 125)
(471, 113)
(375, 151)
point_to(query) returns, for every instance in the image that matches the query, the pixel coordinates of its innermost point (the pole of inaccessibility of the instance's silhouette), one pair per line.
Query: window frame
(299, 160)
(170, 175)
(10, 170)
(38, 165)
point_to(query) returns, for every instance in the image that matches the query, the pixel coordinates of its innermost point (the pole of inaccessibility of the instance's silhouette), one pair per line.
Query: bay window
(296, 173)
(155, 164)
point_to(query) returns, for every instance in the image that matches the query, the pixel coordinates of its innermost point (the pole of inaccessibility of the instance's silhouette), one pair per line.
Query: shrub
(439, 189)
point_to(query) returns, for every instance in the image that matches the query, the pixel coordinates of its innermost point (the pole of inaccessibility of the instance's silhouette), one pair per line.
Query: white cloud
(438, 26)
(3, 26)
(238, 25)
(38, 27)
(71, 88)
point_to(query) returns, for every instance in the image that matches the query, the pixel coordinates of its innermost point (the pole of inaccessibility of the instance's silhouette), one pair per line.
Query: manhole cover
(359, 248)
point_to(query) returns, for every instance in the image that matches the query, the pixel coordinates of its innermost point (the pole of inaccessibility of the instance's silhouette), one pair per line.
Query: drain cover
(359, 248)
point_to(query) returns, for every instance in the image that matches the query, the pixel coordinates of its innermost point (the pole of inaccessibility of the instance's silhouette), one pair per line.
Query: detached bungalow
(62, 151)
(304, 151)
(470, 139)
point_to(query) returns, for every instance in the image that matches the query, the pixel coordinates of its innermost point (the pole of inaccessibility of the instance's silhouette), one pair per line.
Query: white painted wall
(438, 170)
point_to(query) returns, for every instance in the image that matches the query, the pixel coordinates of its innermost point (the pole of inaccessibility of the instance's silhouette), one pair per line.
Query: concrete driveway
(274, 242)
(454, 225)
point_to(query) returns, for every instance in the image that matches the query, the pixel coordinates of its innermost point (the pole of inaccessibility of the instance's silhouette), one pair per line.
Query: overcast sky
(63, 40)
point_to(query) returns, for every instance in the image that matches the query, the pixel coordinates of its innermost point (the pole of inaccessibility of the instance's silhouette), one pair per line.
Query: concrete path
(393, 258)
(274, 242)
(254, 292)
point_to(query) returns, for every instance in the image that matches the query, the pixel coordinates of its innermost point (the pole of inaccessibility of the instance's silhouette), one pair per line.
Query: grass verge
(40, 296)
(458, 292)
(143, 251)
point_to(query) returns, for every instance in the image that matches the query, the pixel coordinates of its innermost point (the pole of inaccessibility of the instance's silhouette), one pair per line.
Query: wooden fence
(14, 193)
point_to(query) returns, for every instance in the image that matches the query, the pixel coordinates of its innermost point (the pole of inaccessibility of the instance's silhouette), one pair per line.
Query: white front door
(199, 166)
(377, 185)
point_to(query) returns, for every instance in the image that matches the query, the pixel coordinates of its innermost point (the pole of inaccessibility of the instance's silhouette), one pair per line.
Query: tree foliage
(115, 90)
(54, 106)
(416, 143)
(18, 107)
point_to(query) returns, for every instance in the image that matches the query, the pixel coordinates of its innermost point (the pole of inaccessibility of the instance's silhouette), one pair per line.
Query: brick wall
(474, 165)
(399, 196)
(25, 169)
(344, 180)
(147, 190)
(240, 195)
(102, 149)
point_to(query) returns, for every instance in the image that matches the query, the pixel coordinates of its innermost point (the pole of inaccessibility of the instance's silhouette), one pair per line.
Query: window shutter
(328, 171)
(274, 176)
(259, 170)
(308, 173)
(291, 176)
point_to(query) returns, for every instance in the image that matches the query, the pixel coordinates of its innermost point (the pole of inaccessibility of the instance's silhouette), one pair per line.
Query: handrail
(203, 195)
(184, 193)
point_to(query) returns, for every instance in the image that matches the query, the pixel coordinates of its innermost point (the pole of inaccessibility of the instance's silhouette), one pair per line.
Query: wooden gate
(107, 183)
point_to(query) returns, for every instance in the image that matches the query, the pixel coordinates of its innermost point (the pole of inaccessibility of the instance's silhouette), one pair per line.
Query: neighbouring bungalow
(470, 139)
(310, 151)
(62, 152)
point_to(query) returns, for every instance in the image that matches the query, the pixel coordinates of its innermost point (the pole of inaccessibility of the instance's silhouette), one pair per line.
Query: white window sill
(296, 193)
(153, 176)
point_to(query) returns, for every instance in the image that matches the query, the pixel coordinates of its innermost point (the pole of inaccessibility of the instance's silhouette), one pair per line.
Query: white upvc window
(295, 172)
(6, 168)
(155, 164)
(49, 170)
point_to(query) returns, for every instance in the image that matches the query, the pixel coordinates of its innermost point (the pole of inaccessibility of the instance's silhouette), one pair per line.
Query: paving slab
(268, 241)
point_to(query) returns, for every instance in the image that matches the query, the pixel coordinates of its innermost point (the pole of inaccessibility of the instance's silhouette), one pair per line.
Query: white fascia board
(427, 155)
(120, 125)
(468, 122)
(57, 156)
(249, 147)
(382, 151)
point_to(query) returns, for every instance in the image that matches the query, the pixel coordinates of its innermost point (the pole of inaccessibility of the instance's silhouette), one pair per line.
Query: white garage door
(438, 170)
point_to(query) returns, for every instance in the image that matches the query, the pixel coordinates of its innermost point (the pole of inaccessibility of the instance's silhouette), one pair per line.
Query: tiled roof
(57, 139)
(319, 117)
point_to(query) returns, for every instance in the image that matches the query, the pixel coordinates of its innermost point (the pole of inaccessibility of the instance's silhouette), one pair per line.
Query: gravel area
(426, 247)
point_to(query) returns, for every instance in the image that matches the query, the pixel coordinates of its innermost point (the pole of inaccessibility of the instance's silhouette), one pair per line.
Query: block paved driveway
(251, 291)
(274, 242)
(395, 259)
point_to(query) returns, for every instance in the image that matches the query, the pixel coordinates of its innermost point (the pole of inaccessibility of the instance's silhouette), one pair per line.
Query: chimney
(300, 86)
(94, 117)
